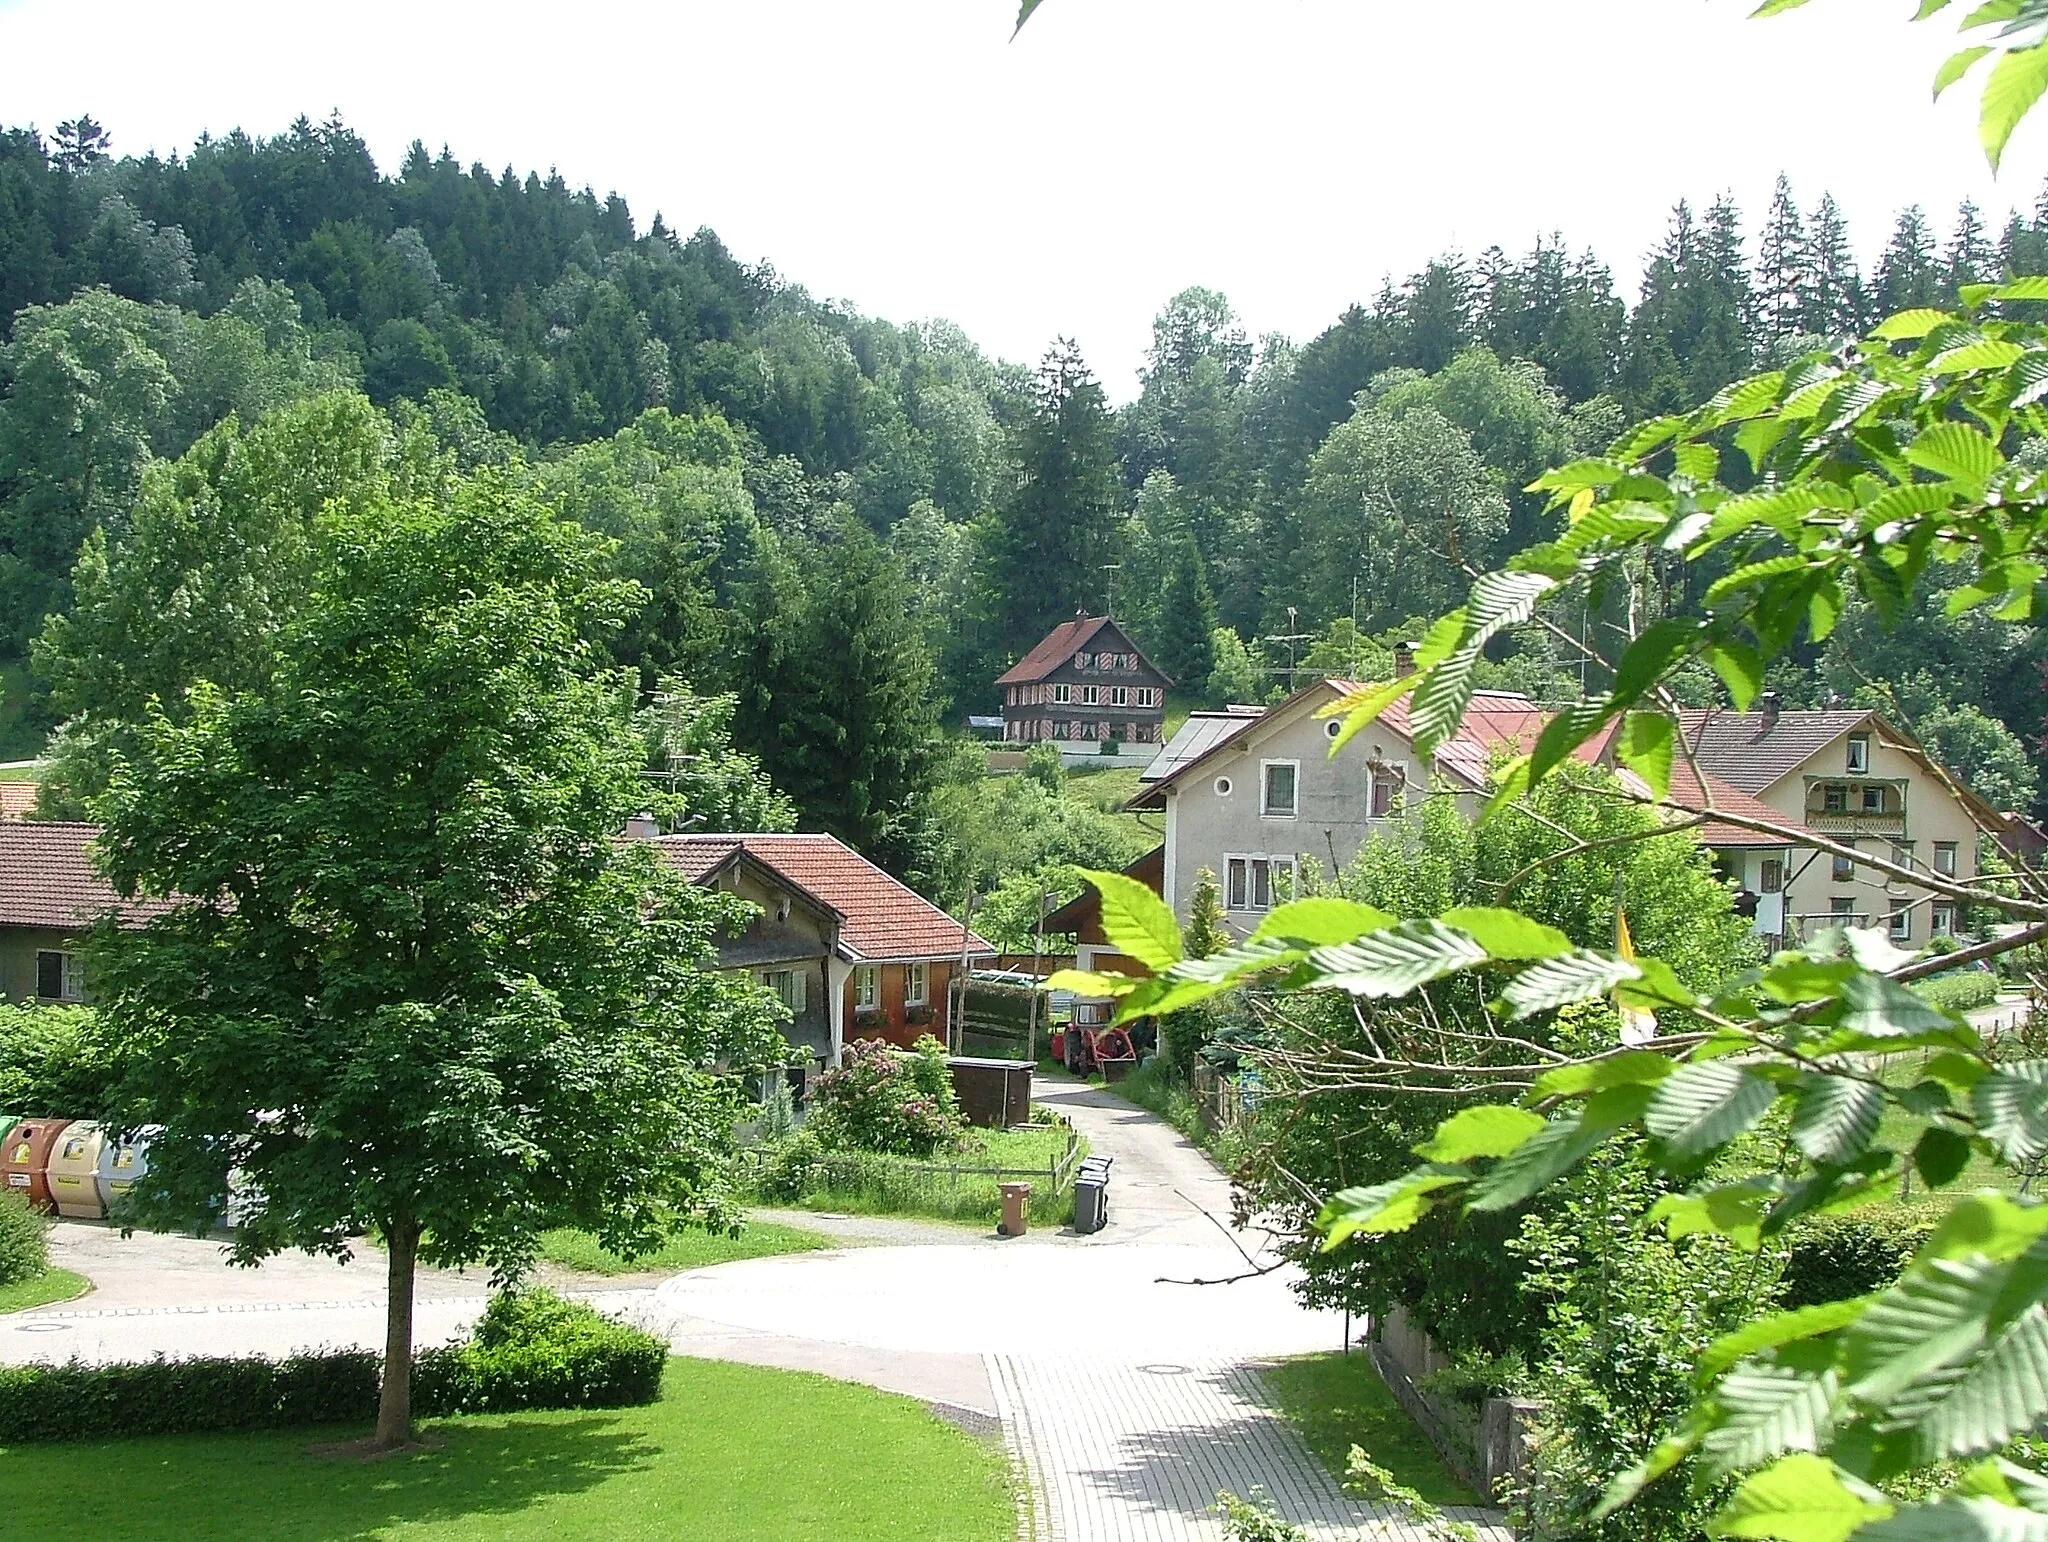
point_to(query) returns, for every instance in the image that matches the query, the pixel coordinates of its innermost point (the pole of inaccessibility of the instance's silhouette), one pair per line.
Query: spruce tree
(1836, 304)
(1908, 275)
(1786, 277)
(1969, 258)
(1187, 621)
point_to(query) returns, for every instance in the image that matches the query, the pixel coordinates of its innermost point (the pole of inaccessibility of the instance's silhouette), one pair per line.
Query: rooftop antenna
(1290, 637)
(1112, 569)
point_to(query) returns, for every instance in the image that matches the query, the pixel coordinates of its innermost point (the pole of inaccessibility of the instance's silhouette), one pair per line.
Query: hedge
(531, 1350)
(1960, 992)
(24, 1239)
(1851, 1255)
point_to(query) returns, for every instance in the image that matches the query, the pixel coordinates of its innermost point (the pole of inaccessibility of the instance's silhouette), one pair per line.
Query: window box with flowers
(919, 1013)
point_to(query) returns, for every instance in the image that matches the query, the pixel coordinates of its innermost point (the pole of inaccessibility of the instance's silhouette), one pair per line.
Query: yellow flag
(1638, 1024)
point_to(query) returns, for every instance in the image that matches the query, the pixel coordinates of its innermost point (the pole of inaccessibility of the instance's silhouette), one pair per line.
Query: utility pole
(1109, 586)
(1290, 637)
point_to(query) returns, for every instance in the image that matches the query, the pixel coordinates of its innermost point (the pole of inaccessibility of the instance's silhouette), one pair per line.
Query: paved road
(1127, 1391)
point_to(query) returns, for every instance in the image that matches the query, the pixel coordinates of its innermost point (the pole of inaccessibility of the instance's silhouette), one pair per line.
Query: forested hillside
(849, 524)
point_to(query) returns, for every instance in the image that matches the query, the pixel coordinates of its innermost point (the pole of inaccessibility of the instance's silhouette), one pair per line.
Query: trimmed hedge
(1851, 1255)
(1960, 992)
(532, 1349)
(24, 1240)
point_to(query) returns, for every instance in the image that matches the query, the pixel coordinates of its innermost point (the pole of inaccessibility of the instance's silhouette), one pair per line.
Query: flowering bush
(882, 1099)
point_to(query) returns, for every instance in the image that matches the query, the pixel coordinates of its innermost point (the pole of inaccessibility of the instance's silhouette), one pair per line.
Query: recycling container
(993, 1094)
(25, 1158)
(1016, 1208)
(121, 1163)
(74, 1172)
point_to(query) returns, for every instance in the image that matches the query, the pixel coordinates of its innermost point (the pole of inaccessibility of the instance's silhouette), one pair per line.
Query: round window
(1333, 728)
(1222, 786)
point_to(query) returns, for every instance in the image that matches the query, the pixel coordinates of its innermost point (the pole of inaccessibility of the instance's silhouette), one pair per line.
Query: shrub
(53, 1063)
(24, 1243)
(532, 1349)
(881, 1099)
(1961, 991)
(1850, 1255)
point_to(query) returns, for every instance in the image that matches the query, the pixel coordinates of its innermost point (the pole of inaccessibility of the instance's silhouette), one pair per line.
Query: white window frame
(1941, 919)
(1266, 809)
(917, 985)
(1900, 922)
(1831, 791)
(1837, 874)
(70, 976)
(795, 997)
(1873, 799)
(1241, 873)
(1091, 695)
(867, 987)
(1394, 776)
(1062, 693)
(1946, 855)
(1858, 760)
(1119, 695)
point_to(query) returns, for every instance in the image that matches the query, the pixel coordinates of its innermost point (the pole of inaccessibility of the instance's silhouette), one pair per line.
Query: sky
(909, 158)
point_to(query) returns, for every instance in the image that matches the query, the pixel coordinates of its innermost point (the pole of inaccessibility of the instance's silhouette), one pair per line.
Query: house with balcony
(1089, 689)
(1862, 782)
(852, 953)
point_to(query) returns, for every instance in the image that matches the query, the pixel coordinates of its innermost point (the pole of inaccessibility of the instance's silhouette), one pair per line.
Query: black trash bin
(1091, 1196)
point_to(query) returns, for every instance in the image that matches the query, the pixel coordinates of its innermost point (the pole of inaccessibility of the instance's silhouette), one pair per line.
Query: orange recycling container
(25, 1158)
(74, 1172)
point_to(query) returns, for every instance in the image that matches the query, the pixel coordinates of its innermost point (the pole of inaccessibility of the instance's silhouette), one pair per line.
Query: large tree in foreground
(411, 985)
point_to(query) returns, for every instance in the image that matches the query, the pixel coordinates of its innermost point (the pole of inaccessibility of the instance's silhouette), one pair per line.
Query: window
(1277, 788)
(1902, 854)
(1772, 879)
(1382, 784)
(60, 976)
(1859, 754)
(1942, 920)
(1901, 920)
(917, 985)
(1062, 693)
(1222, 786)
(1258, 883)
(1945, 858)
(1845, 870)
(867, 988)
(1119, 695)
(1090, 695)
(1841, 905)
(1835, 800)
(788, 986)
(1083, 660)
(1873, 800)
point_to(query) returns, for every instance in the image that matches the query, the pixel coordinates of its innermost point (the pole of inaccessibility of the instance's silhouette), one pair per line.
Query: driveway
(1121, 1369)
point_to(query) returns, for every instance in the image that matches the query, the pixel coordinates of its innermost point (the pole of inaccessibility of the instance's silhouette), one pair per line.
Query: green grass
(732, 1453)
(1338, 1401)
(690, 1250)
(51, 1286)
(863, 1183)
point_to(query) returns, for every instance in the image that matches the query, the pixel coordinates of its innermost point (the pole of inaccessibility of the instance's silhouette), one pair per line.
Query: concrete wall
(1931, 813)
(1207, 825)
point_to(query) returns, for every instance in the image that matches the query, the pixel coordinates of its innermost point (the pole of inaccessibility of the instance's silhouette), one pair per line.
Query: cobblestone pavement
(1121, 1452)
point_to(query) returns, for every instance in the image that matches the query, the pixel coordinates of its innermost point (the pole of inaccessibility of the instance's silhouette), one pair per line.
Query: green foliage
(1008, 915)
(532, 1349)
(1253, 1520)
(54, 1062)
(1340, 1405)
(1238, 676)
(24, 1240)
(1959, 992)
(699, 780)
(696, 1248)
(886, 1100)
(1835, 1258)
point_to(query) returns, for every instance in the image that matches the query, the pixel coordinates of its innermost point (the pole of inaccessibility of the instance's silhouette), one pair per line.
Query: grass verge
(732, 1453)
(45, 1289)
(689, 1250)
(944, 1188)
(1338, 1401)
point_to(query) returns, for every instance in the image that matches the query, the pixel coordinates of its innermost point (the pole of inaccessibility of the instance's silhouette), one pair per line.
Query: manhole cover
(1164, 1370)
(42, 1327)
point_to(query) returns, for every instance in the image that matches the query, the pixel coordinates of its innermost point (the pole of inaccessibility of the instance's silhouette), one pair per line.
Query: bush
(24, 1242)
(532, 1349)
(53, 1063)
(1850, 1255)
(881, 1099)
(1959, 992)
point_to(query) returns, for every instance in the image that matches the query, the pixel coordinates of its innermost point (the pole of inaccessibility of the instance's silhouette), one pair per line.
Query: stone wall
(1489, 1454)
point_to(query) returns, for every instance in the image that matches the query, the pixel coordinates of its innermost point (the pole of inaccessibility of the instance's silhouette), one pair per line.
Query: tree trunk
(394, 1402)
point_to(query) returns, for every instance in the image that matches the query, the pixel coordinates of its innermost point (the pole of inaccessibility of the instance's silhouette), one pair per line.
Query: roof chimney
(1404, 660)
(641, 827)
(1769, 702)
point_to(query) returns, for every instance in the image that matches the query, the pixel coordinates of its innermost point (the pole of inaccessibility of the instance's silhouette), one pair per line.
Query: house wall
(1932, 814)
(1031, 714)
(18, 948)
(894, 1024)
(799, 940)
(1205, 828)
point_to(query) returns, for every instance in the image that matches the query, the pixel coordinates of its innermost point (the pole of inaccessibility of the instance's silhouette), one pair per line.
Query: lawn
(1338, 1401)
(51, 1286)
(945, 1188)
(731, 1453)
(690, 1250)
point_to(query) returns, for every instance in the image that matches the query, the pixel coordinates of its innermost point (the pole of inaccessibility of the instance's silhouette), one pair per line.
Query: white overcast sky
(906, 156)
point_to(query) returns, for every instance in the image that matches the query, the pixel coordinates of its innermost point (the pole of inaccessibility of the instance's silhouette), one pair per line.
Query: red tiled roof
(17, 799)
(884, 919)
(47, 879)
(1687, 788)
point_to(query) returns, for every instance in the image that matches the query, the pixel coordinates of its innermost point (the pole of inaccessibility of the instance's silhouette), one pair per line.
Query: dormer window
(1859, 754)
